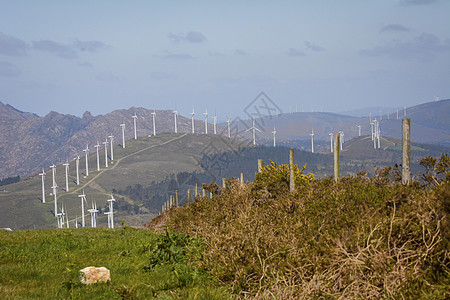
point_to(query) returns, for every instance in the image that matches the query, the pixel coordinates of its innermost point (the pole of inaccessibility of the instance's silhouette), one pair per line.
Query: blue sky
(73, 56)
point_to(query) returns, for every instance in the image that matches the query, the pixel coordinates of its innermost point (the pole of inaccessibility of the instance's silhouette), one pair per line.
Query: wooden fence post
(189, 196)
(260, 165)
(406, 151)
(176, 198)
(337, 138)
(242, 179)
(291, 173)
(224, 183)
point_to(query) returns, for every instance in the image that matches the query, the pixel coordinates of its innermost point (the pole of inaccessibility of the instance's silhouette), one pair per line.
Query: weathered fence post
(224, 183)
(291, 173)
(406, 151)
(196, 190)
(203, 192)
(337, 138)
(189, 196)
(260, 165)
(176, 198)
(242, 179)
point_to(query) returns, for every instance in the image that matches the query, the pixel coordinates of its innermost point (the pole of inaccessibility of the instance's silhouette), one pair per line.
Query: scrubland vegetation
(358, 238)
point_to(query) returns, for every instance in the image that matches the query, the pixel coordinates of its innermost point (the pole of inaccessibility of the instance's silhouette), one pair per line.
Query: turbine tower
(274, 132)
(312, 140)
(86, 151)
(66, 165)
(175, 114)
(229, 130)
(154, 122)
(341, 139)
(192, 120)
(55, 197)
(359, 130)
(77, 166)
(83, 199)
(253, 128)
(215, 122)
(53, 167)
(43, 185)
(110, 213)
(111, 139)
(134, 123)
(123, 135)
(93, 214)
(106, 152)
(98, 158)
(331, 141)
(206, 121)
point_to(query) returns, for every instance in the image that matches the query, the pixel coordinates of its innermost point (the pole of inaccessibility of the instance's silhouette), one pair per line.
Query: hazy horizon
(77, 56)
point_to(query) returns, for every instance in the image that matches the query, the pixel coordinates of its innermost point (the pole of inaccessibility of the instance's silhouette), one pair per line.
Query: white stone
(93, 275)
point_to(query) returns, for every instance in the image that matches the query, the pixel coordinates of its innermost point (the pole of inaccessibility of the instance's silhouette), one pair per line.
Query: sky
(98, 56)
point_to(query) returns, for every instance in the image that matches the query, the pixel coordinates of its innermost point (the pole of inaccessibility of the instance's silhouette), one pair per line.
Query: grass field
(45, 264)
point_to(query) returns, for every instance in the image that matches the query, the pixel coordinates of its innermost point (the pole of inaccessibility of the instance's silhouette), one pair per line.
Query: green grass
(45, 264)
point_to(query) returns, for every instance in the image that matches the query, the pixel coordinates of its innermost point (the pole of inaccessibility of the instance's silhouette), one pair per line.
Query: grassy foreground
(44, 264)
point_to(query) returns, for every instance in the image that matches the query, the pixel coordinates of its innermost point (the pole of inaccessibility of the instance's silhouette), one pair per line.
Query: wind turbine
(274, 132)
(253, 128)
(110, 213)
(154, 122)
(106, 152)
(55, 191)
(123, 135)
(83, 199)
(93, 214)
(43, 185)
(341, 139)
(86, 151)
(66, 165)
(229, 130)
(404, 111)
(215, 122)
(98, 158)
(53, 167)
(175, 114)
(206, 120)
(331, 141)
(371, 129)
(77, 165)
(312, 140)
(192, 120)
(134, 123)
(359, 130)
(58, 219)
(397, 114)
(111, 139)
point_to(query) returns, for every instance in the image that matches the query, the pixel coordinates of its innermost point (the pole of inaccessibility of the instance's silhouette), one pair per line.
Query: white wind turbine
(397, 114)
(215, 123)
(55, 197)
(83, 199)
(66, 165)
(77, 166)
(134, 125)
(229, 130)
(86, 151)
(154, 121)
(253, 128)
(106, 152)
(331, 142)
(53, 167)
(192, 120)
(98, 157)
(274, 132)
(58, 219)
(341, 139)
(93, 214)
(110, 213)
(123, 135)
(359, 130)
(43, 185)
(312, 140)
(111, 139)
(206, 121)
(175, 114)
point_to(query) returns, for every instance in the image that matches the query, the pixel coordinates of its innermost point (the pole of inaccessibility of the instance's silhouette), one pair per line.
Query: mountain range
(30, 143)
